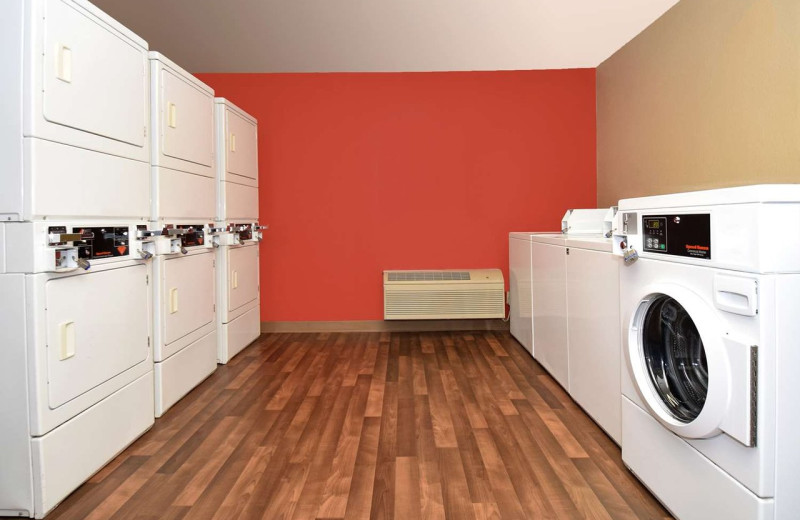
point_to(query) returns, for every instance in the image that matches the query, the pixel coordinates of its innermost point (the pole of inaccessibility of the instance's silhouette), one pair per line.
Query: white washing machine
(181, 229)
(711, 350)
(238, 280)
(565, 309)
(520, 266)
(75, 112)
(76, 369)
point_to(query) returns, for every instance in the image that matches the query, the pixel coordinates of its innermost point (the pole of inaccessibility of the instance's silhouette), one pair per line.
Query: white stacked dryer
(711, 350)
(76, 369)
(238, 286)
(182, 228)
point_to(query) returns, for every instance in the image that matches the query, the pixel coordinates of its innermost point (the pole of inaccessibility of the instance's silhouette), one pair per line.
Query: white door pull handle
(173, 300)
(235, 279)
(64, 65)
(67, 347)
(172, 115)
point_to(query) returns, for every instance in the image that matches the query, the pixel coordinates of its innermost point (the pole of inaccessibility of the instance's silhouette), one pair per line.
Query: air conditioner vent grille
(426, 295)
(425, 276)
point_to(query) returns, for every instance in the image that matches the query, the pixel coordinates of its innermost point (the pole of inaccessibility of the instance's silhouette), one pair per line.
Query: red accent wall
(373, 171)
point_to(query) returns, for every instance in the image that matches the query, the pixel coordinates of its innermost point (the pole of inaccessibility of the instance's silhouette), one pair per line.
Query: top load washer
(75, 111)
(710, 349)
(584, 222)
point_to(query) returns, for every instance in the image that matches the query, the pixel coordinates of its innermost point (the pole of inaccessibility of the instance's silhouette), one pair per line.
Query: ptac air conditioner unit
(449, 294)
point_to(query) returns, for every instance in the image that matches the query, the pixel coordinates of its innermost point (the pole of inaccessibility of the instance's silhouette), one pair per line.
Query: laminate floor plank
(379, 425)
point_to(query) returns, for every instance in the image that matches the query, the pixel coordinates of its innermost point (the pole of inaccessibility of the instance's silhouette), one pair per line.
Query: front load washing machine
(711, 346)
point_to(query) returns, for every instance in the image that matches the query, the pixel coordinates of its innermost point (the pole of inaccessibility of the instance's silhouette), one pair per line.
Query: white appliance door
(242, 276)
(94, 79)
(97, 328)
(549, 288)
(242, 141)
(687, 370)
(187, 119)
(188, 295)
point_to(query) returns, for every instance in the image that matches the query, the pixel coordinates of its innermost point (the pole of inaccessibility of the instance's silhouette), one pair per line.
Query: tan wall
(708, 96)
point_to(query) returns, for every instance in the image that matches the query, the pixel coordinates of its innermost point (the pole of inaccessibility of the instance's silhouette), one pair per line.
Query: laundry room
(403, 260)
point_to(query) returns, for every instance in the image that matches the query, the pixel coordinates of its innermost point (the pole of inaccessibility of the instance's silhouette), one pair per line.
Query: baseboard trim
(383, 326)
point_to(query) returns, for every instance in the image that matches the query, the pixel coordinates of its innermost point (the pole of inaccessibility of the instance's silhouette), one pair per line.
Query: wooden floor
(370, 425)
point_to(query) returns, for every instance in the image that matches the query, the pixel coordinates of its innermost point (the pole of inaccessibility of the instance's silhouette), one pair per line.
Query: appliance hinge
(215, 307)
(148, 341)
(753, 395)
(147, 279)
(567, 251)
(145, 131)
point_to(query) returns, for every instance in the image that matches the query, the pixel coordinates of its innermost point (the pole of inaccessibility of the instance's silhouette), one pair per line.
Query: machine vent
(422, 276)
(448, 294)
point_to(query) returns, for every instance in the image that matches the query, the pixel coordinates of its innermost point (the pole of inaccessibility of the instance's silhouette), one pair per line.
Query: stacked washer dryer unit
(711, 350)
(76, 371)
(182, 228)
(238, 290)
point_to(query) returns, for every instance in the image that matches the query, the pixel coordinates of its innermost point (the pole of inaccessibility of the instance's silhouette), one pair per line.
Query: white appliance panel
(550, 333)
(187, 121)
(594, 337)
(93, 80)
(188, 295)
(73, 182)
(181, 195)
(242, 276)
(97, 328)
(521, 312)
(240, 203)
(239, 333)
(242, 146)
(180, 373)
(65, 457)
(688, 484)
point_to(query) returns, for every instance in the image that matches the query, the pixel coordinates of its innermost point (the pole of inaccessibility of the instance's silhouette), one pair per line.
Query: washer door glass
(675, 358)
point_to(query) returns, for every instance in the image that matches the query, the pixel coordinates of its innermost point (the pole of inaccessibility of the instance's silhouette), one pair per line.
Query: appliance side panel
(16, 479)
(519, 269)
(549, 306)
(11, 58)
(594, 336)
(787, 455)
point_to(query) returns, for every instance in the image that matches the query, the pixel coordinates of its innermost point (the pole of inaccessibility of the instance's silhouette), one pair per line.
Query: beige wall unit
(708, 96)
(448, 294)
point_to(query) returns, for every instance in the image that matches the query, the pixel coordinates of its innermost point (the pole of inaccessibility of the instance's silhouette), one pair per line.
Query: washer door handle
(736, 294)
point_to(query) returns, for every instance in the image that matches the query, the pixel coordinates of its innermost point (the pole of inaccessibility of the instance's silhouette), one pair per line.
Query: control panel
(102, 242)
(238, 234)
(681, 235)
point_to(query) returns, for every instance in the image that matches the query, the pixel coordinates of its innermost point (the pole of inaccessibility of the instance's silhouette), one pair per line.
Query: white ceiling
(385, 35)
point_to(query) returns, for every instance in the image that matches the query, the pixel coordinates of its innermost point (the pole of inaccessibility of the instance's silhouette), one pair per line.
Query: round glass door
(675, 358)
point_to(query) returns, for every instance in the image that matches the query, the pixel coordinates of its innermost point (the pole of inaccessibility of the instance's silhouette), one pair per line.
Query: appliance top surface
(761, 193)
(595, 243)
(529, 235)
(558, 239)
